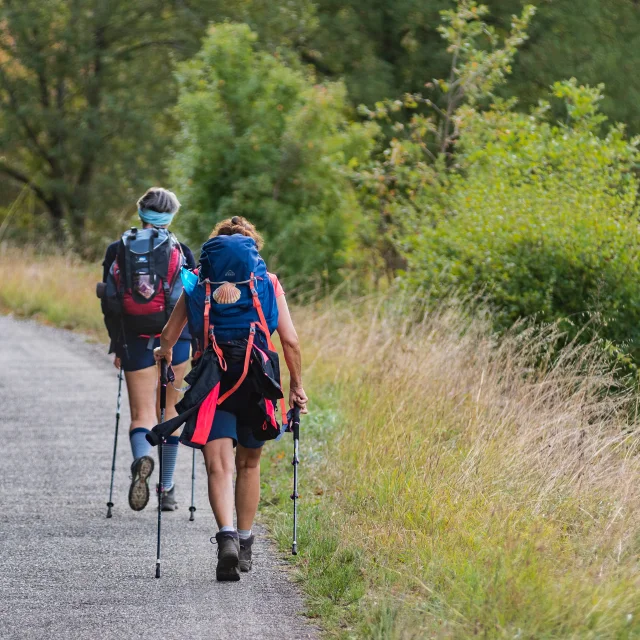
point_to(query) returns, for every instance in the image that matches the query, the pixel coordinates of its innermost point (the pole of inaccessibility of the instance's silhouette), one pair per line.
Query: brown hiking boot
(245, 553)
(228, 551)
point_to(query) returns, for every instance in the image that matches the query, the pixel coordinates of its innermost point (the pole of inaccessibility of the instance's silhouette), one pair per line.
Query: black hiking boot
(245, 553)
(228, 549)
(168, 499)
(141, 469)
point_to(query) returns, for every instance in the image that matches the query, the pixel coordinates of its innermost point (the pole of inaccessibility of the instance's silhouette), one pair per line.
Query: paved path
(68, 572)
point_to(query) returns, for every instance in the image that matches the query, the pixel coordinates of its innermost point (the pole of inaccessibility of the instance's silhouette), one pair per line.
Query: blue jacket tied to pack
(231, 303)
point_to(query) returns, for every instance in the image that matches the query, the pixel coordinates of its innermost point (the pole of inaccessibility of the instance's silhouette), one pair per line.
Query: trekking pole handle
(295, 422)
(166, 373)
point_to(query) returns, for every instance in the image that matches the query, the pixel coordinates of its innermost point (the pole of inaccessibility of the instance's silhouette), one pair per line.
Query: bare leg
(141, 386)
(247, 485)
(218, 459)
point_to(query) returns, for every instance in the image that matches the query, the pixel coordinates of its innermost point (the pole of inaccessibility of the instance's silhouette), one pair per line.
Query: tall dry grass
(493, 487)
(57, 289)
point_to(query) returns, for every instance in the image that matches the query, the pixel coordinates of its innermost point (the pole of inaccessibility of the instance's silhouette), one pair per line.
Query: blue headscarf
(155, 218)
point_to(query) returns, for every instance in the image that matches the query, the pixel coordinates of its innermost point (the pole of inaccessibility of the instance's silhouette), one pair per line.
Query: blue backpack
(232, 295)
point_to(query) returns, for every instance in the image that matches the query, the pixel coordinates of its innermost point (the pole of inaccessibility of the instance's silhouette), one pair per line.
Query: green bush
(541, 220)
(261, 139)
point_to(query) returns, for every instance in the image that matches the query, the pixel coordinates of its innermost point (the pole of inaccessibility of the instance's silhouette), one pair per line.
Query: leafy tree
(595, 42)
(261, 139)
(84, 87)
(407, 180)
(540, 220)
(387, 48)
(382, 49)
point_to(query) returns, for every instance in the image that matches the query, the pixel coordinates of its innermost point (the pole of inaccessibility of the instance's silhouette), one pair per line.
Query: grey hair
(160, 200)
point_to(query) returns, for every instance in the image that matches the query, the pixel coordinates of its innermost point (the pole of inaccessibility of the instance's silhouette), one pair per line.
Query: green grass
(448, 488)
(57, 290)
(453, 491)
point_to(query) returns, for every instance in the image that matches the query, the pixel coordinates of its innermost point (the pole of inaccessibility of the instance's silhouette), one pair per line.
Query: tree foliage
(84, 88)
(261, 139)
(406, 181)
(389, 48)
(540, 220)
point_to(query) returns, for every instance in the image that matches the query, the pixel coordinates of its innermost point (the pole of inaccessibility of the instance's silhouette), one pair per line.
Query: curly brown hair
(240, 225)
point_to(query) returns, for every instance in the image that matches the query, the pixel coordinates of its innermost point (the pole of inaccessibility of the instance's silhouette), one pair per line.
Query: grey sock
(244, 534)
(225, 529)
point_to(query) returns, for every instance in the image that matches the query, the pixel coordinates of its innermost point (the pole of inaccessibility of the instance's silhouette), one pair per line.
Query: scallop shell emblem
(226, 293)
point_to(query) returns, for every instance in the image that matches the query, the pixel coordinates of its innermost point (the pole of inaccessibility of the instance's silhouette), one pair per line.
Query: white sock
(244, 533)
(225, 529)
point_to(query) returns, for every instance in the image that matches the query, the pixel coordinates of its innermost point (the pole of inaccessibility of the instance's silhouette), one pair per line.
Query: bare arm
(292, 354)
(172, 330)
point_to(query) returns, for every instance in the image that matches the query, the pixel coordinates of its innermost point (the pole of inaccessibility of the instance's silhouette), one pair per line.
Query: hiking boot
(168, 499)
(228, 550)
(245, 553)
(141, 469)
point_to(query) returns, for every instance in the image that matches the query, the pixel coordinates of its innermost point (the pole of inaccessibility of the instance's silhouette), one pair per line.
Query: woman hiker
(142, 272)
(243, 305)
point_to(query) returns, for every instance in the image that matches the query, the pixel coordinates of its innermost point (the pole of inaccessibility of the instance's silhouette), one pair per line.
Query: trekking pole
(164, 379)
(192, 508)
(294, 425)
(115, 444)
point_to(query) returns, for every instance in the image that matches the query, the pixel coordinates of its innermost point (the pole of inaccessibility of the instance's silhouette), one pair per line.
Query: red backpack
(144, 280)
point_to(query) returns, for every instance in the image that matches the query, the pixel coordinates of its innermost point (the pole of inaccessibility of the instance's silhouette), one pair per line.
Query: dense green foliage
(592, 41)
(402, 185)
(540, 220)
(388, 48)
(84, 92)
(532, 208)
(86, 88)
(262, 140)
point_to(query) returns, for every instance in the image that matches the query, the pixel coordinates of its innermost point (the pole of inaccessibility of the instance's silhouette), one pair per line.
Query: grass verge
(458, 490)
(450, 489)
(57, 290)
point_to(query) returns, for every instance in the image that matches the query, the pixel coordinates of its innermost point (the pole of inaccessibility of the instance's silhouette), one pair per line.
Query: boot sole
(139, 489)
(227, 569)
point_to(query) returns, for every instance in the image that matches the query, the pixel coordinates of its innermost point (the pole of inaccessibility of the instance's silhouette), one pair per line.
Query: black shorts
(139, 353)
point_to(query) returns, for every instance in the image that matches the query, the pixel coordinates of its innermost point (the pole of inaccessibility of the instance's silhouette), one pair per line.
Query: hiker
(233, 305)
(143, 283)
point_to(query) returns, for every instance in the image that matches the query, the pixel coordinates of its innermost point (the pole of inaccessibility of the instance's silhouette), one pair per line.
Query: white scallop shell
(226, 293)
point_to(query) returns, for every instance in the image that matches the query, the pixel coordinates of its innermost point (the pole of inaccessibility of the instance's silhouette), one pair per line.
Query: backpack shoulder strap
(265, 329)
(258, 307)
(207, 309)
(127, 266)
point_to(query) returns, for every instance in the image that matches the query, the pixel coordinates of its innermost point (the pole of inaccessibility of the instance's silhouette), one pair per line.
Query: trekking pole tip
(109, 505)
(192, 516)
(294, 549)
(158, 570)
